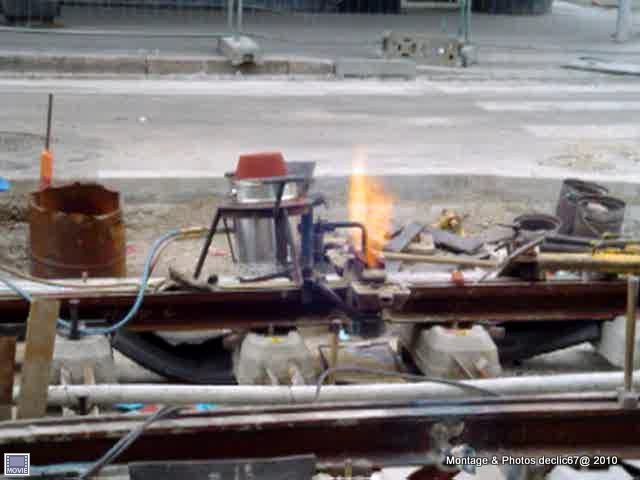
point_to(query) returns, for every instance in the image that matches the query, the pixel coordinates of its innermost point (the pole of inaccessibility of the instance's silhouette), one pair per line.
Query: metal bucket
(538, 222)
(255, 238)
(597, 215)
(572, 190)
(252, 191)
(534, 224)
(76, 230)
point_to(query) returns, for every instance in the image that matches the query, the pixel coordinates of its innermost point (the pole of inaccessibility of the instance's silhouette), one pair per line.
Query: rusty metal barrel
(76, 230)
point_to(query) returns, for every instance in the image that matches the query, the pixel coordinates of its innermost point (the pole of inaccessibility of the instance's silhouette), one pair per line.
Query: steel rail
(495, 301)
(588, 424)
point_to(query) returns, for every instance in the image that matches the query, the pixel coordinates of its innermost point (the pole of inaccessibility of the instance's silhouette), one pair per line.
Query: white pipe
(67, 395)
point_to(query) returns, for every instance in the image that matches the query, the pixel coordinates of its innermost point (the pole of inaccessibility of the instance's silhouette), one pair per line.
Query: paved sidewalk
(508, 41)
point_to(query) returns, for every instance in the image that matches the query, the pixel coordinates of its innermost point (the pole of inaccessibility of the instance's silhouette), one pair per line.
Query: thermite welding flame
(370, 205)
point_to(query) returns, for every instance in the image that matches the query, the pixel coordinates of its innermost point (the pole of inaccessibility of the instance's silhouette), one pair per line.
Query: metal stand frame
(280, 212)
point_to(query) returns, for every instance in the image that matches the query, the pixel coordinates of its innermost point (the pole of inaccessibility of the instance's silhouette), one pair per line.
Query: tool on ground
(451, 221)
(459, 260)
(46, 157)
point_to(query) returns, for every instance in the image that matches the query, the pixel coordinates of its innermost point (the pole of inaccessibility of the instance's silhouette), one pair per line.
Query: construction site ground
(145, 222)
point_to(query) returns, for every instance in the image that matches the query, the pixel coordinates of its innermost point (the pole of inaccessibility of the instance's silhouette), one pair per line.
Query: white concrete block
(452, 353)
(75, 355)
(265, 359)
(240, 50)
(612, 342)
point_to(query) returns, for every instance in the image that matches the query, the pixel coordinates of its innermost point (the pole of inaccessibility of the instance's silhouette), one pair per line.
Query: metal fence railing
(316, 27)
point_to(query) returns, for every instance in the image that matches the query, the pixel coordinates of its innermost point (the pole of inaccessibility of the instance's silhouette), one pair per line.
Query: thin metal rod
(207, 244)
(624, 23)
(47, 141)
(230, 16)
(229, 241)
(239, 20)
(467, 20)
(630, 334)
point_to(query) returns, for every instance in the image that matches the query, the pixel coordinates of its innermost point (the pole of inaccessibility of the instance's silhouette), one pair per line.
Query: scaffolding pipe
(71, 395)
(624, 23)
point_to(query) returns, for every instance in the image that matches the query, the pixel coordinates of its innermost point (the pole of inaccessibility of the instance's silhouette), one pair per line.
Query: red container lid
(260, 165)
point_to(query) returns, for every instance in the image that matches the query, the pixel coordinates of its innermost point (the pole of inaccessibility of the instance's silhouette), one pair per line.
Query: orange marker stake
(46, 157)
(46, 169)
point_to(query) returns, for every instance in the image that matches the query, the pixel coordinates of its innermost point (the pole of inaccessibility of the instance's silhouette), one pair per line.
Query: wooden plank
(440, 260)
(7, 371)
(40, 340)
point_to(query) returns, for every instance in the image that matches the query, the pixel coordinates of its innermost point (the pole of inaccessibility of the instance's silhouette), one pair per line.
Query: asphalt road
(197, 128)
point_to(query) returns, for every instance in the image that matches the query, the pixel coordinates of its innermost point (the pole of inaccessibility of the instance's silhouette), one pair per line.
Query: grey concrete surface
(155, 137)
(505, 41)
(373, 67)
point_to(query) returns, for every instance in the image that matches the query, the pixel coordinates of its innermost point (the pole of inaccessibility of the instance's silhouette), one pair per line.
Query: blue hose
(144, 280)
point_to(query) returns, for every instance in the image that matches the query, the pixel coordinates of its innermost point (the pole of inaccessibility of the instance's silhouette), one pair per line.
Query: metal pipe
(597, 262)
(624, 22)
(630, 334)
(230, 17)
(239, 21)
(69, 395)
(330, 226)
(47, 141)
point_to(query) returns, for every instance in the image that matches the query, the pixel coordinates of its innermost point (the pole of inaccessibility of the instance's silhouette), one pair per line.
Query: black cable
(409, 376)
(125, 442)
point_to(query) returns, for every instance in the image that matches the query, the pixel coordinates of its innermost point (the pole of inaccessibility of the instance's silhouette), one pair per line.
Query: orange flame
(370, 205)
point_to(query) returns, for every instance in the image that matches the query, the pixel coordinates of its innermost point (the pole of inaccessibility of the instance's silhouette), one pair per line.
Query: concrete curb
(154, 65)
(534, 191)
(90, 66)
